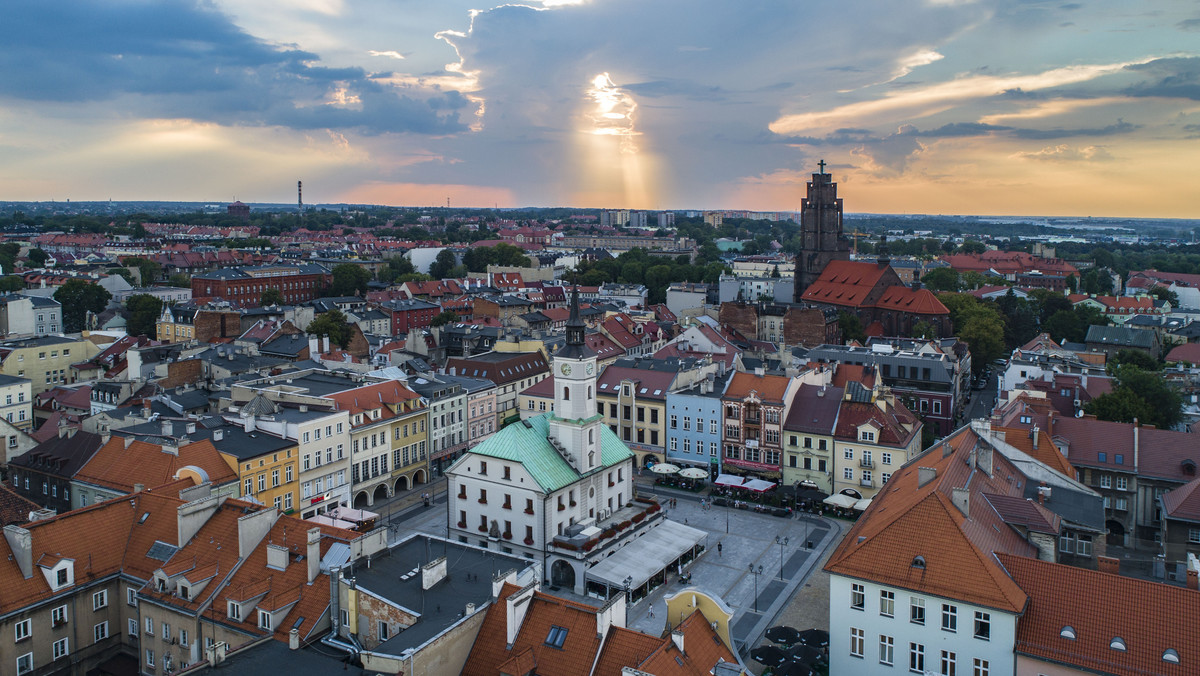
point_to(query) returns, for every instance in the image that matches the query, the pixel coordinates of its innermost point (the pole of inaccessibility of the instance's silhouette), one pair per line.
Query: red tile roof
(1098, 608)
(906, 520)
(576, 655)
(1046, 452)
(1183, 502)
(852, 284)
(770, 388)
(1188, 352)
(119, 467)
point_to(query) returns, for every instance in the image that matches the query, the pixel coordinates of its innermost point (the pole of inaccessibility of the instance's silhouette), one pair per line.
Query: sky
(1004, 107)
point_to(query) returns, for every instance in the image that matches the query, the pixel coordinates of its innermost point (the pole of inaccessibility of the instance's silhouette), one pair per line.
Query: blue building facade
(694, 425)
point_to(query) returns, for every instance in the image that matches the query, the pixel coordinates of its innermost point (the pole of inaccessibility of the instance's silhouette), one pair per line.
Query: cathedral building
(871, 290)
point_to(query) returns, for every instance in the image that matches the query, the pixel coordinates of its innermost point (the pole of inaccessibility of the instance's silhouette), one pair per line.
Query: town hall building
(558, 489)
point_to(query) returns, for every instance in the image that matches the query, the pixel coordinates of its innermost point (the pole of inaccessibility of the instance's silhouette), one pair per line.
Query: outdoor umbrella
(693, 473)
(817, 638)
(806, 653)
(811, 494)
(784, 635)
(839, 500)
(793, 668)
(863, 504)
(768, 655)
(664, 468)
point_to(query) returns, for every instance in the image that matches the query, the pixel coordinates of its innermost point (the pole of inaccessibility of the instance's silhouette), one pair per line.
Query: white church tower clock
(575, 423)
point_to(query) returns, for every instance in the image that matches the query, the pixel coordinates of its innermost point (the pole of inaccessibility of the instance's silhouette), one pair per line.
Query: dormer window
(235, 611)
(264, 619)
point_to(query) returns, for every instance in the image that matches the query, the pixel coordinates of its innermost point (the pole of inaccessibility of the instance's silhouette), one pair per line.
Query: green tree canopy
(942, 279)
(444, 317)
(333, 324)
(180, 280)
(397, 266)
(11, 283)
(1136, 358)
(149, 270)
(38, 258)
(443, 265)
(349, 279)
(271, 296)
(851, 326)
(144, 311)
(123, 273)
(1141, 395)
(78, 298)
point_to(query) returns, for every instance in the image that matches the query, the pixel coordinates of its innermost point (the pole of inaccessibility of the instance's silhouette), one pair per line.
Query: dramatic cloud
(1065, 153)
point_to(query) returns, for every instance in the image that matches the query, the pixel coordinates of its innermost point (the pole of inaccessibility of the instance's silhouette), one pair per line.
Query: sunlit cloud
(615, 165)
(391, 53)
(1066, 153)
(614, 112)
(936, 98)
(1053, 108)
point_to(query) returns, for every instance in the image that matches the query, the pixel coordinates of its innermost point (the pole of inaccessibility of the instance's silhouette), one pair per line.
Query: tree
(1139, 395)
(1072, 283)
(144, 311)
(444, 317)
(1096, 282)
(941, 279)
(1136, 358)
(11, 283)
(123, 273)
(349, 280)
(179, 280)
(333, 324)
(923, 329)
(851, 326)
(972, 247)
(397, 266)
(78, 298)
(271, 296)
(1163, 293)
(1065, 325)
(443, 264)
(38, 258)
(149, 270)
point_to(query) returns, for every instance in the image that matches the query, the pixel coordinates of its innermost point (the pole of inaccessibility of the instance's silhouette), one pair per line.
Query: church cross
(821, 164)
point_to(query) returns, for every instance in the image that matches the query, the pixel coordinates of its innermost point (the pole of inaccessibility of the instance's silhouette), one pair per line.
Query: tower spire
(574, 323)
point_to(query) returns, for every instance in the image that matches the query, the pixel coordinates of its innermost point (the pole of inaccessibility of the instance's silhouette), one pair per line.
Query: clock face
(590, 368)
(566, 369)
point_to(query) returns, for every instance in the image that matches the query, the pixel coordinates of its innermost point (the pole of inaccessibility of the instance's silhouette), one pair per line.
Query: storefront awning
(647, 556)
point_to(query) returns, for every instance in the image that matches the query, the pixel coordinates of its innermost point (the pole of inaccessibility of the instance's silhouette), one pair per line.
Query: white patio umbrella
(839, 500)
(693, 473)
(664, 468)
(863, 504)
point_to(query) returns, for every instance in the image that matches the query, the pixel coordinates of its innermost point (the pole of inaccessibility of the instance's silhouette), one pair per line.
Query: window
(1194, 535)
(264, 619)
(58, 616)
(166, 633)
(150, 626)
(887, 603)
(1105, 481)
(133, 627)
(983, 625)
(1083, 545)
(1122, 483)
(916, 610)
(847, 473)
(235, 611)
(60, 648)
(982, 668)
(183, 638)
(556, 637)
(858, 638)
(22, 630)
(887, 648)
(949, 663)
(848, 454)
(1119, 458)
(100, 632)
(886, 458)
(857, 596)
(25, 664)
(916, 658)
(949, 617)
(150, 658)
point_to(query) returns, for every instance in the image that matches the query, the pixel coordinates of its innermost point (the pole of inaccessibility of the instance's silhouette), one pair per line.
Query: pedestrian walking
(651, 610)
(720, 546)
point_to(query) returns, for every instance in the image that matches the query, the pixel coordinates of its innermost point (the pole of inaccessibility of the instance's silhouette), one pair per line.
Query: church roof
(850, 283)
(527, 442)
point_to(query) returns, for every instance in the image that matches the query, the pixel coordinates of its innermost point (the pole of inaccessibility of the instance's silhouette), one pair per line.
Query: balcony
(866, 463)
(620, 525)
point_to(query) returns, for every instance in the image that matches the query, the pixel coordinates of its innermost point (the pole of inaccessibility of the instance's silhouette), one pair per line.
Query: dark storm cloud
(186, 59)
(963, 129)
(1177, 78)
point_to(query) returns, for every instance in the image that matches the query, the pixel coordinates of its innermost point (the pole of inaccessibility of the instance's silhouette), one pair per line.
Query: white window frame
(887, 650)
(24, 663)
(100, 631)
(22, 630)
(858, 640)
(100, 599)
(61, 648)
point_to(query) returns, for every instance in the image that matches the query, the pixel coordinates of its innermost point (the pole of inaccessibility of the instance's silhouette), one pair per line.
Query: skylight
(1169, 655)
(557, 636)
(1068, 632)
(1117, 643)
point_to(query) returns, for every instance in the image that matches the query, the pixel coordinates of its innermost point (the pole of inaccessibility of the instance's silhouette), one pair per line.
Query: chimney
(677, 639)
(146, 409)
(925, 475)
(168, 428)
(218, 435)
(304, 408)
(1108, 564)
(277, 557)
(138, 488)
(313, 553)
(20, 541)
(1034, 436)
(961, 497)
(1043, 493)
(1192, 580)
(1135, 444)
(294, 639)
(252, 528)
(191, 428)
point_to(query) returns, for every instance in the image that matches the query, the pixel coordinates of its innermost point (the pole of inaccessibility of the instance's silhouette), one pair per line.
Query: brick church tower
(821, 231)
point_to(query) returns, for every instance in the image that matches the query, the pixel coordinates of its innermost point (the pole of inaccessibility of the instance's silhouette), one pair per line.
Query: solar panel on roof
(161, 551)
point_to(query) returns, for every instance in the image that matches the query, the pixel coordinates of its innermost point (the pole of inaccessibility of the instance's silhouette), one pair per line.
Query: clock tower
(575, 423)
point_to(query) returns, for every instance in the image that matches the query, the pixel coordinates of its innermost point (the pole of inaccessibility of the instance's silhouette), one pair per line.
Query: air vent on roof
(1067, 632)
(1170, 655)
(918, 562)
(1117, 643)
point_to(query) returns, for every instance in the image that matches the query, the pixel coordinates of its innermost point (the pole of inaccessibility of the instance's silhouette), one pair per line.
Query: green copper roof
(530, 447)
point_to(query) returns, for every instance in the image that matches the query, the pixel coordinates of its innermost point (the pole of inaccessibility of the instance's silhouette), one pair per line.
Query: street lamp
(756, 573)
(626, 583)
(782, 542)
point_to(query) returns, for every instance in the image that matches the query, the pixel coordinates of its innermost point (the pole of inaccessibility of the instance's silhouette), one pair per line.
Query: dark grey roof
(1119, 335)
(443, 605)
(815, 409)
(60, 456)
(274, 657)
(40, 341)
(409, 304)
(234, 440)
(858, 393)
(232, 359)
(247, 272)
(44, 301)
(6, 380)
(290, 345)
